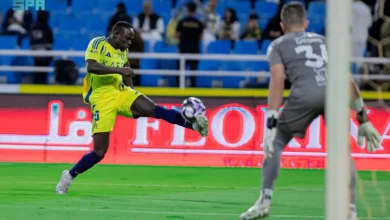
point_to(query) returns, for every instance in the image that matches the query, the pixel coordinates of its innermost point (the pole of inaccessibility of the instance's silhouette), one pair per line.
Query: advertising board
(55, 129)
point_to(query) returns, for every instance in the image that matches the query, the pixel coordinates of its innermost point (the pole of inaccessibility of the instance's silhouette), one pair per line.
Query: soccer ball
(191, 108)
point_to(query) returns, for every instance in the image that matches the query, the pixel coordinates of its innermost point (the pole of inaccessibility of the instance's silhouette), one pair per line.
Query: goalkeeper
(302, 58)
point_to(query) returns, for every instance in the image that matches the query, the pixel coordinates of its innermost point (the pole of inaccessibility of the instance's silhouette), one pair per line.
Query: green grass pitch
(27, 192)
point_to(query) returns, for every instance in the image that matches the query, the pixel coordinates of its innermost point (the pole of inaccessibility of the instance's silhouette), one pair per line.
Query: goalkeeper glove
(366, 130)
(272, 121)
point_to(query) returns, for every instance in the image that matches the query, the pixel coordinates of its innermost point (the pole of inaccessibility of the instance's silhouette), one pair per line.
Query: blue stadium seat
(56, 6)
(266, 9)
(243, 19)
(241, 6)
(62, 42)
(107, 7)
(264, 46)
(147, 46)
(134, 7)
(161, 47)
(232, 81)
(162, 6)
(70, 24)
(241, 47)
(317, 8)
(97, 24)
(166, 18)
(263, 22)
(288, 1)
(146, 79)
(181, 3)
(80, 61)
(204, 65)
(85, 6)
(219, 47)
(25, 44)
(8, 42)
(246, 47)
(81, 43)
(316, 26)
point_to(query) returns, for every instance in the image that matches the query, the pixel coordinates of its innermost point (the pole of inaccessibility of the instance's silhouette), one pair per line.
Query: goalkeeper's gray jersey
(304, 57)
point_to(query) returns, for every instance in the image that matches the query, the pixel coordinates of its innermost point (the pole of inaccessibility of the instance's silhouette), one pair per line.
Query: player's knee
(100, 150)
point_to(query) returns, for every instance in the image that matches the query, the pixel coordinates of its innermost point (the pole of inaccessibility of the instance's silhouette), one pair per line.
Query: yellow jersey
(100, 50)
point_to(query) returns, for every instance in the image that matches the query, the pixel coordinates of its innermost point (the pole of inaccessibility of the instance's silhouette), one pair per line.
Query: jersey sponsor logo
(112, 64)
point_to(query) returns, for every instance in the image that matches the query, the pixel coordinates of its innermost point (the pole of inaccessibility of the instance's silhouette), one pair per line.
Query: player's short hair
(293, 14)
(120, 25)
(191, 7)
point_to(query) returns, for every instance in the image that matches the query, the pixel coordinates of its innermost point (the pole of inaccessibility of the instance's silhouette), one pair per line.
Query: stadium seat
(246, 47)
(69, 24)
(288, 1)
(8, 42)
(57, 6)
(243, 19)
(264, 46)
(162, 6)
(241, 47)
(161, 47)
(317, 8)
(80, 61)
(107, 8)
(61, 42)
(233, 81)
(81, 43)
(219, 47)
(166, 18)
(266, 9)
(316, 26)
(95, 25)
(81, 7)
(241, 6)
(263, 22)
(25, 44)
(146, 79)
(135, 7)
(207, 81)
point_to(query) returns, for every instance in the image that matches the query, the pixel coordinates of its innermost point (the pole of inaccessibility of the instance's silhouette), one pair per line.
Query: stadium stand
(74, 26)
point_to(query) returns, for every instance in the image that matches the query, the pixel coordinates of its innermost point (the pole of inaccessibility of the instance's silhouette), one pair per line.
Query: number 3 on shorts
(96, 116)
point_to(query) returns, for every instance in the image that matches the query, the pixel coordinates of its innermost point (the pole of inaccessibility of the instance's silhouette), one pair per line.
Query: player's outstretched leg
(270, 171)
(144, 107)
(101, 143)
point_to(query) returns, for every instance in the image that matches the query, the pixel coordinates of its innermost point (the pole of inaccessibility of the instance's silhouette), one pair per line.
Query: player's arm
(128, 80)
(366, 130)
(357, 103)
(276, 87)
(97, 68)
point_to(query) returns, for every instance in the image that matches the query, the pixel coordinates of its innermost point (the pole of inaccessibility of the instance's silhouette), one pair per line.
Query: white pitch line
(19, 206)
(164, 186)
(129, 184)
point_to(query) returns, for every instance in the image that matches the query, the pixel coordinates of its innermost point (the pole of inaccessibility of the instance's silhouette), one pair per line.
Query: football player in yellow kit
(108, 88)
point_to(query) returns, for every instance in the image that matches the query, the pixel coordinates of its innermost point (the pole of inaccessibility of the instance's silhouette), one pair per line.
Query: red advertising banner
(58, 133)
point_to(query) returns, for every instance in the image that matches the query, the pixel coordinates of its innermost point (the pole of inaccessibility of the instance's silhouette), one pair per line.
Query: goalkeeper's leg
(271, 167)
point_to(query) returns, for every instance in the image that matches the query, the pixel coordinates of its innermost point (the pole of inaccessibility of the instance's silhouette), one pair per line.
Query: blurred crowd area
(177, 26)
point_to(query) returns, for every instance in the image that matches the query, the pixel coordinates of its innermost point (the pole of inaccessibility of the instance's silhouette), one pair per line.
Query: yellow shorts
(108, 105)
